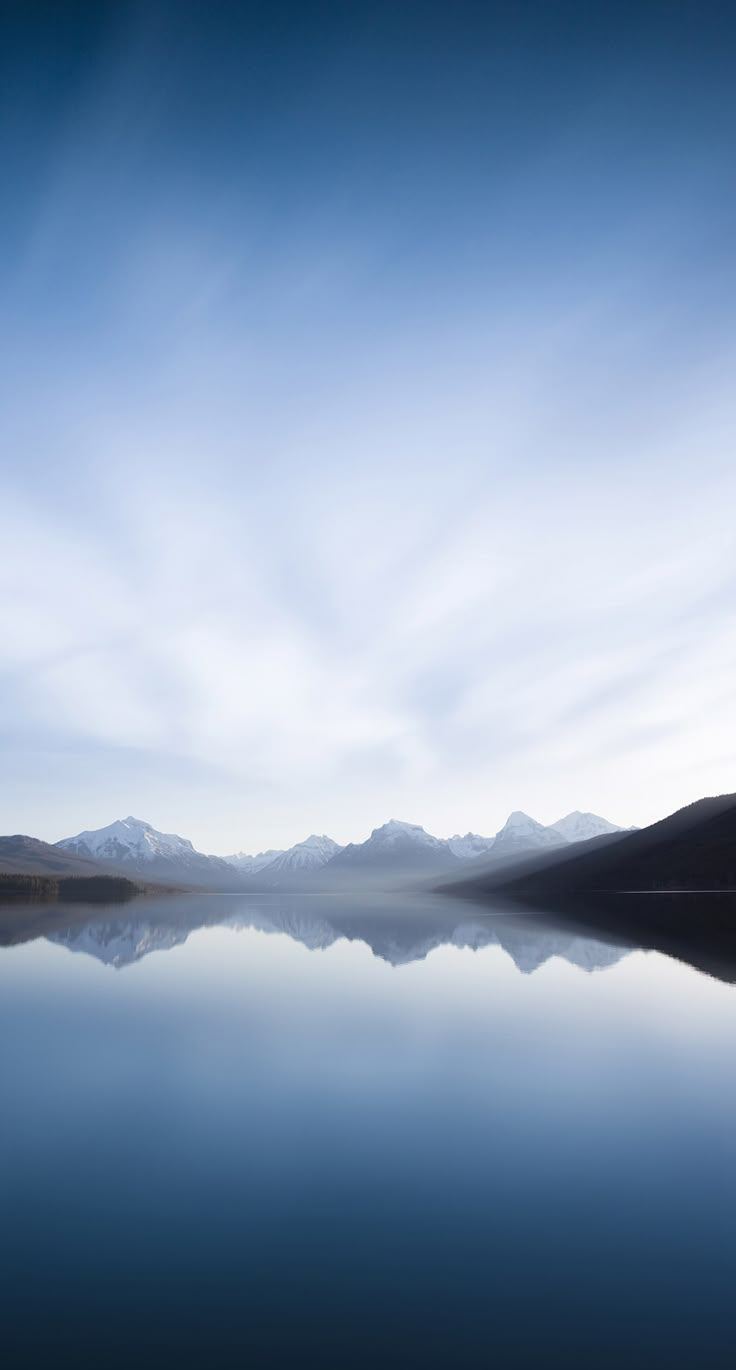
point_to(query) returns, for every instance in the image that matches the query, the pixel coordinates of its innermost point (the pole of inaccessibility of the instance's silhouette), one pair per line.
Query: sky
(367, 414)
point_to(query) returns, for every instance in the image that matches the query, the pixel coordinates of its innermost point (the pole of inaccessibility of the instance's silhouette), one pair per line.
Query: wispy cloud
(324, 497)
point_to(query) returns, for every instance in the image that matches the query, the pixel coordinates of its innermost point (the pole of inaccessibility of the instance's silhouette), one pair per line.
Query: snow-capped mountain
(125, 839)
(285, 868)
(471, 845)
(251, 865)
(398, 836)
(392, 839)
(522, 833)
(394, 854)
(132, 845)
(580, 827)
(304, 858)
(395, 851)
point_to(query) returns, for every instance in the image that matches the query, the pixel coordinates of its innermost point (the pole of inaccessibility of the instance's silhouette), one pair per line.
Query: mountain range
(583, 871)
(299, 861)
(132, 846)
(670, 886)
(396, 853)
(692, 849)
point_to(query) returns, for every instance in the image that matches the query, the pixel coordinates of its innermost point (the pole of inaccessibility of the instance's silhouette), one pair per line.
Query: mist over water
(335, 1132)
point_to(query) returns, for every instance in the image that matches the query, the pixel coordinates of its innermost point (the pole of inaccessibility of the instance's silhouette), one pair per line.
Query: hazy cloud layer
(357, 464)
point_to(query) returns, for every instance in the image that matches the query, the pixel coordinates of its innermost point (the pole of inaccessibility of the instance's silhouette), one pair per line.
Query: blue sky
(366, 415)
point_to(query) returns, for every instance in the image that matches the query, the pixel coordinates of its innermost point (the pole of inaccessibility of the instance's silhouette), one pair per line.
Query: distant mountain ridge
(395, 854)
(400, 851)
(392, 839)
(469, 846)
(302, 860)
(520, 833)
(131, 844)
(618, 883)
(22, 855)
(692, 849)
(581, 827)
(250, 865)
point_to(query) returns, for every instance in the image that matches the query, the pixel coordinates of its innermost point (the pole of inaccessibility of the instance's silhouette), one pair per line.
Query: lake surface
(296, 1132)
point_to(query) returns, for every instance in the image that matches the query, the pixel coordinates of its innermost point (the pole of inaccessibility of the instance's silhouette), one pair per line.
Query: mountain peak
(580, 827)
(395, 827)
(395, 850)
(519, 819)
(520, 831)
(132, 843)
(303, 858)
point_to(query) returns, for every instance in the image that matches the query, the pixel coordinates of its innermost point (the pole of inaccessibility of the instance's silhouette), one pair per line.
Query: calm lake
(311, 1131)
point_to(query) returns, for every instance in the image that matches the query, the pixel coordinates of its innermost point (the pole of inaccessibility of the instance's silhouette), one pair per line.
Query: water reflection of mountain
(397, 930)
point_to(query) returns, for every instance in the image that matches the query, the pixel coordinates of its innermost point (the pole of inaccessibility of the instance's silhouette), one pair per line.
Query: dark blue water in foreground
(445, 1142)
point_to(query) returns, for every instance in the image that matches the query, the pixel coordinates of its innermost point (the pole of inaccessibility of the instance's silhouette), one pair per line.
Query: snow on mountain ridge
(396, 851)
(395, 831)
(520, 831)
(135, 846)
(466, 847)
(242, 861)
(131, 835)
(580, 827)
(310, 855)
(318, 842)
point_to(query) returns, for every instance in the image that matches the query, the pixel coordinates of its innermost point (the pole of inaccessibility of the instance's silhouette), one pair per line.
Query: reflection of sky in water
(418, 1151)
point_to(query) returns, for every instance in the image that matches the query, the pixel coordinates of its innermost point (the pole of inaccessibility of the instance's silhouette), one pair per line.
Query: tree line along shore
(67, 887)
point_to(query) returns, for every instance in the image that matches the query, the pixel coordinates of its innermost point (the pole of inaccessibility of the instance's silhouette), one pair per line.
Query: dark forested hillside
(693, 849)
(23, 855)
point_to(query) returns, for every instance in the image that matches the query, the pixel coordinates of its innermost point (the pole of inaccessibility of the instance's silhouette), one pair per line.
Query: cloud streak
(332, 496)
